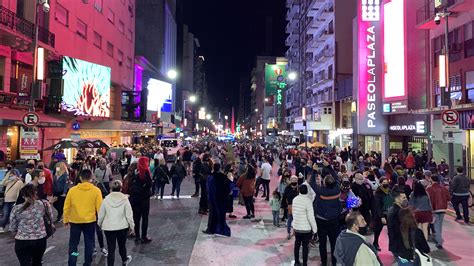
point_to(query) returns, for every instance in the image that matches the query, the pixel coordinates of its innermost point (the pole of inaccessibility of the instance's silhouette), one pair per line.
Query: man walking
(80, 213)
(265, 178)
(439, 197)
(395, 241)
(351, 245)
(460, 191)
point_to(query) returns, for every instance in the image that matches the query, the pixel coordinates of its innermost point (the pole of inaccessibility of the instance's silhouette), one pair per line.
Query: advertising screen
(86, 88)
(160, 95)
(275, 77)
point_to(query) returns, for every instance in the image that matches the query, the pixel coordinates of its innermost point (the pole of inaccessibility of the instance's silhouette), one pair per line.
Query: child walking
(275, 202)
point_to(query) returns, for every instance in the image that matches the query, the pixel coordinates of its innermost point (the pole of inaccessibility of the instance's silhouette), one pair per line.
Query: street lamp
(192, 99)
(208, 116)
(256, 110)
(172, 74)
(292, 76)
(226, 117)
(305, 124)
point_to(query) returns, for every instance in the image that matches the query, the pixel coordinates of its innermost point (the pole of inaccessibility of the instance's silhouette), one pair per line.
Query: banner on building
(275, 78)
(29, 145)
(371, 68)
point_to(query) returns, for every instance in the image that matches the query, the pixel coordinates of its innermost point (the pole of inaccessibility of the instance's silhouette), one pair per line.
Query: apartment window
(120, 57)
(129, 62)
(129, 35)
(438, 44)
(330, 70)
(121, 26)
(110, 49)
(327, 110)
(331, 27)
(470, 86)
(98, 4)
(97, 40)
(468, 39)
(111, 15)
(61, 15)
(455, 89)
(81, 29)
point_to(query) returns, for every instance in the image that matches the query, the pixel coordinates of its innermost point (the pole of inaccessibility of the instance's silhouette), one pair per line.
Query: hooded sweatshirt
(115, 213)
(82, 204)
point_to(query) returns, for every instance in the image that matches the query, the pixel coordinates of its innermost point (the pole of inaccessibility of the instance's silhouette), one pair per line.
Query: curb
(452, 213)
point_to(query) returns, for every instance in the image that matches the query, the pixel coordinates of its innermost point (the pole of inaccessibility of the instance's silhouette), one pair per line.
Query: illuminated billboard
(275, 78)
(86, 88)
(160, 96)
(371, 68)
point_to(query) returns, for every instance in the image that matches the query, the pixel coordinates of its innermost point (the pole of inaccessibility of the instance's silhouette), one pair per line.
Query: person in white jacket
(116, 219)
(304, 223)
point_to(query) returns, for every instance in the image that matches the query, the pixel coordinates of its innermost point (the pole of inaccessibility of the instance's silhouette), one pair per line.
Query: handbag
(420, 258)
(48, 223)
(102, 187)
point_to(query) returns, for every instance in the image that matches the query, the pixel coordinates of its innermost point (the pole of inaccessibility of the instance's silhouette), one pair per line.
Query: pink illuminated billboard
(371, 68)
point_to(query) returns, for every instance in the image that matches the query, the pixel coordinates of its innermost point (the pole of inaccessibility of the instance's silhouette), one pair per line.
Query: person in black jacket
(395, 241)
(178, 173)
(221, 191)
(205, 172)
(197, 168)
(382, 202)
(327, 210)
(362, 189)
(411, 237)
(140, 191)
(161, 176)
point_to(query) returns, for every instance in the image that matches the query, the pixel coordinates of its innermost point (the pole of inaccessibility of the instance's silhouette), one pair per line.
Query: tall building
(84, 42)
(244, 102)
(199, 74)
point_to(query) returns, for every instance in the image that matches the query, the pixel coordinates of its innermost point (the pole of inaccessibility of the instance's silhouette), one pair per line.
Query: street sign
(30, 119)
(450, 139)
(450, 117)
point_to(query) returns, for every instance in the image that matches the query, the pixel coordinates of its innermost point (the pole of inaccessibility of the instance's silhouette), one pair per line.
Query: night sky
(232, 34)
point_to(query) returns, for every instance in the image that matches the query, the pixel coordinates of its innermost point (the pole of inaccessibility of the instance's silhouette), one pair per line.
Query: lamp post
(446, 95)
(191, 99)
(305, 124)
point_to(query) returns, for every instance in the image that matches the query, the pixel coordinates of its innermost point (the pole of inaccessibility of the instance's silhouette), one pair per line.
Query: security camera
(437, 19)
(46, 8)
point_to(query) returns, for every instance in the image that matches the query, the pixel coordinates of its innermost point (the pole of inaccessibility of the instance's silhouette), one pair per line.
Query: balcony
(317, 4)
(10, 23)
(292, 12)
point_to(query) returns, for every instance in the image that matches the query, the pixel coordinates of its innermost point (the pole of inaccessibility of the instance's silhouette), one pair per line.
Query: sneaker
(247, 217)
(105, 252)
(458, 218)
(195, 195)
(137, 240)
(146, 240)
(252, 216)
(129, 259)
(288, 237)
(207, 232)
(2, 230)
(232, 216)
(439, 246)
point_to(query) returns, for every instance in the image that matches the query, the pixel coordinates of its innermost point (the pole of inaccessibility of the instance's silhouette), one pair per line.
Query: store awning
(13, 117)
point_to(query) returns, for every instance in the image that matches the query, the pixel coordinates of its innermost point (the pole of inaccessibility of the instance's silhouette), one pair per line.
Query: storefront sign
(29, 145)
(395, 107)
(371, 68)
(408, 125)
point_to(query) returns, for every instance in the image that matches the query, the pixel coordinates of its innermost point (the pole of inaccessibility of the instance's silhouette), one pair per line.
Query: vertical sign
(29, 145)
(279, 106)
(274, 74)
(370, 62)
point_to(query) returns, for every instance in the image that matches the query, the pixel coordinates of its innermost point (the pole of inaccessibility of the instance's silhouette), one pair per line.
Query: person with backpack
(27, 223)
(139, 188)
(178, 173)
(12, 183)
(116, 219)
(161, 176)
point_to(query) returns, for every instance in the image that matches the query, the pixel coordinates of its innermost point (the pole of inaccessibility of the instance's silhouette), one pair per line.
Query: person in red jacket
(439, 197)
(48, 182)
(410, 163)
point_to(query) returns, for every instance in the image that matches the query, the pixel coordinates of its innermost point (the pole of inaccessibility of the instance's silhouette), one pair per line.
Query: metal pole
(184, 113)
(448, 91)
(35, 59)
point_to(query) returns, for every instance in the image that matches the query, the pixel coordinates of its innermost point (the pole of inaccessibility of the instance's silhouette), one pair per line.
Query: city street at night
(251, 132)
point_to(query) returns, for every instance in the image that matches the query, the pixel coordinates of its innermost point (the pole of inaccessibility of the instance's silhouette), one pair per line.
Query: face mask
(385, 186)
(362, 230)
(9, 168)
(58, 169)
(293, 184)
(404, 203)
(359, 182)
(41, 180)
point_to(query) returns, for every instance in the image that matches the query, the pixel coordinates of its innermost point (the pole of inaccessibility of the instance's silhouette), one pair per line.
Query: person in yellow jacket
(80, 214)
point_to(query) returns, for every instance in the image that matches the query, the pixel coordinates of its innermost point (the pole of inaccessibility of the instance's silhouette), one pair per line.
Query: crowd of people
(322, 194)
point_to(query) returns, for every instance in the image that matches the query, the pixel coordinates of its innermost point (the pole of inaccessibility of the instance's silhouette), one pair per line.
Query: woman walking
(412, 239)
(246, 183)
(178, 173)
(421, 204)
(27, 224)
(140, 192)
(383, 200)
(60, 188)
(161, 176)
(116, 219)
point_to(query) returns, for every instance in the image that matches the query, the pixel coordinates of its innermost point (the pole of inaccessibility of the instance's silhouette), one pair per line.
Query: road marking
(173, 198)
(49, 249)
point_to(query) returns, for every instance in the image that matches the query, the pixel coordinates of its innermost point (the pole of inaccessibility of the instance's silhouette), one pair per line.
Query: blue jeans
(88, 230)
(7, 209)
(438, 225)
(288, 223)
(276, 216)
(176, 185)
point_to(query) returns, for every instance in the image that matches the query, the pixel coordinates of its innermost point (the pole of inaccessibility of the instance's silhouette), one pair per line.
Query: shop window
(61, 15)
(97, 40)
(110, 16)
(81, 29)
(121, 26)
(110, 49)
(455, 89)
(468, 39)
(470, 86)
